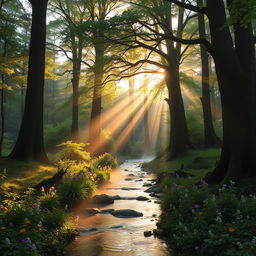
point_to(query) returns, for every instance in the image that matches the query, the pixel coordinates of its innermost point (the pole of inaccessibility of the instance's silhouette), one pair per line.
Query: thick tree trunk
(30, 143)
(2, 119)
(75, 101)
(236, 160)
(179, 139)
(77, 58)
(95, 121)
(210, 137)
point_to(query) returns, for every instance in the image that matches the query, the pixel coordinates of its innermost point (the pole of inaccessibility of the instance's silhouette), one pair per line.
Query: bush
(102, 174)
(49, 201)
(26, 227)
(72, 191)
(73, 151)
(209, 221)
(105, 160)
(55, 134)
(55, 219)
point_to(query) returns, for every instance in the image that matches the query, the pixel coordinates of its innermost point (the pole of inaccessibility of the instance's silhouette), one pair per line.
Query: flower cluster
(210, 221)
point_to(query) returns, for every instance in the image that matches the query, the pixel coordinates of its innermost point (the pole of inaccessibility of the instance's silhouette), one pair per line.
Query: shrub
(105, 160)
(200, 222)
(55, 219)
(71, 191)
(102, 174)
(55, 134)
(73, 151)
(49, 201)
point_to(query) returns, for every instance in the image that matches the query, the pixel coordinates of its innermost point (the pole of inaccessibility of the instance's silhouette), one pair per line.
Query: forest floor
(21, 175)
(195, 162)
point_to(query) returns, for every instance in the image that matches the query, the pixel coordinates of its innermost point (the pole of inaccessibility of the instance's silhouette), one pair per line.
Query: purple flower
(196, 248)
(197, 206)
(24, 240)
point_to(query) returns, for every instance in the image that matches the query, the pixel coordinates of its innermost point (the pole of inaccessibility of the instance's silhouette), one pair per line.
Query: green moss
(196, 162)
(21, 175)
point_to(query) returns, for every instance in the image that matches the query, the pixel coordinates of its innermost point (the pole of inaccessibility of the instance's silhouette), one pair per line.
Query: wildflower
(231, 230)
(23, 230)
(2, 228)
(39, 226)
(27, 222)
(200, 213)
(42, 190)
(197, 206)
(7, 240)
(220, 240)
(66, 207)
(196, 248)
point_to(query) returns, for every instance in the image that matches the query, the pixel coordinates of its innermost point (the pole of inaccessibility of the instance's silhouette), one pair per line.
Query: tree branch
(190, 7)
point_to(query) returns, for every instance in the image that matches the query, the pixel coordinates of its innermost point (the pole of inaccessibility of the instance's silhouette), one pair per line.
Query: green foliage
(72, 191)
(55, 219)
(73, 151)
(209, 220)
(102, 174)
(55, 134)
(195, 126)
(49, 201)
(105, 160)
(29, 229)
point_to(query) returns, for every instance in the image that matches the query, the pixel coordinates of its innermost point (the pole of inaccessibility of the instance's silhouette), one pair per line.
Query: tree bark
(77, 58)
(30, 143)
(95, 121)
(237, 92)
(210, 137)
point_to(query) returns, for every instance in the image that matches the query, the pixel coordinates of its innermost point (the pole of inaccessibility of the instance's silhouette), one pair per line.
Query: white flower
(7, 240)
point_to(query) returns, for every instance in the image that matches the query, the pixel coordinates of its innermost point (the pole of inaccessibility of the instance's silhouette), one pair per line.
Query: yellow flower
(220, 240)
(200, 213)
(2, 228)
(27, 222)
(231, 230)
(23, 230)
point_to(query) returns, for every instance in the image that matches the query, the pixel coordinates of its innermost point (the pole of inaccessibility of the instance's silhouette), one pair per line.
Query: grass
(197, 162)
(21, 175)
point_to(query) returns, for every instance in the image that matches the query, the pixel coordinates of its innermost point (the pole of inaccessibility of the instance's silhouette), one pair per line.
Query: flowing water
(106, 235)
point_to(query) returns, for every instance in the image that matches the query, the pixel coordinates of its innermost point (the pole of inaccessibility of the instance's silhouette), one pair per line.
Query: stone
(103, 199)
(126, 213)
(130, 188)
(142, 198)
(139, 180)
(91, 211)
(148, 233)
(104, 211)
(154, 215)
(147, 185)
(158, 232)
(128, 179)
(158, 195)
(126, 170)
(131, 175)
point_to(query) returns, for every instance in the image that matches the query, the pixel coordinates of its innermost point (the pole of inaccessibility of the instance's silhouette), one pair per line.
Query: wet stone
(148, 233)
(126, 213)
(142, 198)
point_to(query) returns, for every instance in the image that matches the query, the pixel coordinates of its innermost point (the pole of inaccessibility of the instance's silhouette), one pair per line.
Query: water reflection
(106, 235)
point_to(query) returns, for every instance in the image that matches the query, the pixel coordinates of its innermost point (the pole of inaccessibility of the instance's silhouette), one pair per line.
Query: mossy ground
(196, 162)
(21, 175)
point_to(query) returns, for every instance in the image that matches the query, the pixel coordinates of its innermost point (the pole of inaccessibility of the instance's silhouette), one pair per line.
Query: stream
(106, 235)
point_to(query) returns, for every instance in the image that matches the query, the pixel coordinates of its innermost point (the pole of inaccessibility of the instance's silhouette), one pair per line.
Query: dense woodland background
(129, 77)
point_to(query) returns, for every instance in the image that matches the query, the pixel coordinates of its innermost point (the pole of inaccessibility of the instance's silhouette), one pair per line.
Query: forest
(127, 127)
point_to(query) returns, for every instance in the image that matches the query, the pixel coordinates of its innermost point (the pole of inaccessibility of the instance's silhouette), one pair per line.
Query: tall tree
(149, 29)
(210, 137)
(30, 141)
(236, 83)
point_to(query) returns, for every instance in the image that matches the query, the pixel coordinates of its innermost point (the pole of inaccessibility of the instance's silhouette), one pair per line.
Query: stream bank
(106, 234)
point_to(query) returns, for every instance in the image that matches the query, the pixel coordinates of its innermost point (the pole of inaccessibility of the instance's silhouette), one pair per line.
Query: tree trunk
(30, 143)
(179, 139)
(2, 119)
(77, 58)
(210, 137)
(95, 121)
(236, 91)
